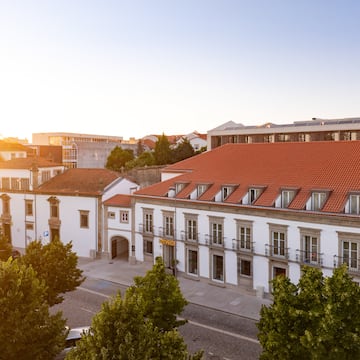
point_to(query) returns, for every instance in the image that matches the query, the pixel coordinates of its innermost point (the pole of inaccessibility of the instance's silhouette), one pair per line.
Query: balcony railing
(217, 241)
(166, 233)
(353, 264)
(241, 245)
(146, 229)
(309, 257)
(190, 236)
(276, 251)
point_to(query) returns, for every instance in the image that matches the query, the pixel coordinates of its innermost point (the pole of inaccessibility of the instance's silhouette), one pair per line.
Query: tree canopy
(56, 264)
(27, 330)
(130, 328)
(183, 150)
(162, 151)
(315, 319)
(118, 158)
(162, 296)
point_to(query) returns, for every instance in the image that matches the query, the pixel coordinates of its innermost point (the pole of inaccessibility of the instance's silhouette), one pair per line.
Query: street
(221, 335)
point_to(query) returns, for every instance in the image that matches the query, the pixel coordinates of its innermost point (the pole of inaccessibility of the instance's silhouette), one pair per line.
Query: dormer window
(226, 191)
(253, 194)
(355, 204)
(179, 187)
(201, 188)
(318, 200)
(287, 197)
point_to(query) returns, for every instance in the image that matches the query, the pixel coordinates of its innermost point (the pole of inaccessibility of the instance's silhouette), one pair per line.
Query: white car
(73, 337)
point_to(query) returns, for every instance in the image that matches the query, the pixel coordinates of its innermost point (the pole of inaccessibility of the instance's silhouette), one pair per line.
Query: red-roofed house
(243, 213)
(39, 200)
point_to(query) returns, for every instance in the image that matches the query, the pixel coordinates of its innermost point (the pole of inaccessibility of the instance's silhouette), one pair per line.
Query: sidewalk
(235, 301)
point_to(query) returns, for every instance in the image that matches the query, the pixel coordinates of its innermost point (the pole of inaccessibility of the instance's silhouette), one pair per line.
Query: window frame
(84, 219)
(357, 204)
(351, 238)
(124, 216)
(278, 245)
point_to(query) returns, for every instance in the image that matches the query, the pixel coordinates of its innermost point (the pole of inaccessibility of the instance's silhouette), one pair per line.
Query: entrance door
(114, 248)
(169, 256)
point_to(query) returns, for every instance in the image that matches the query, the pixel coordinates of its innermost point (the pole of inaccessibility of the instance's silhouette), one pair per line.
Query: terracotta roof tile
(80, 181)
(307, 166)
(119, 200)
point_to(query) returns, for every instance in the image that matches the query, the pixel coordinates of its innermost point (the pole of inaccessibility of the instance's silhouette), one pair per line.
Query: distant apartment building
(83, 150)
(299, 131)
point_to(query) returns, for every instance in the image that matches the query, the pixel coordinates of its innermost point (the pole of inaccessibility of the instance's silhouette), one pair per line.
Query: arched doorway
(119, 248)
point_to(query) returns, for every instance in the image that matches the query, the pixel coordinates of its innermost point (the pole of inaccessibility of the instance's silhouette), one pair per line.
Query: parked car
(73, 337)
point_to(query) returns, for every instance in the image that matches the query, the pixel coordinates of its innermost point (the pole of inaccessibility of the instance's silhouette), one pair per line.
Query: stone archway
(119, 248)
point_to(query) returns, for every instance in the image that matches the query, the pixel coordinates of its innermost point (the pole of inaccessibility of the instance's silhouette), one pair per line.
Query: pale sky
(132, 68)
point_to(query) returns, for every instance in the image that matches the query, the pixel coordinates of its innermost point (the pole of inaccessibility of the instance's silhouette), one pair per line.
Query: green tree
(119, 331)
(145, 159)
(56, 264)
(183, 150)
(162, 152)
(162, 296)
(315, 319)
(118, 158)
(27, 330)
(5, 248)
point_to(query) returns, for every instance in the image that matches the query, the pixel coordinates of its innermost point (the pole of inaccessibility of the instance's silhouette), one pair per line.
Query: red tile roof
(308, 166)
(119, 200)
(80, 181)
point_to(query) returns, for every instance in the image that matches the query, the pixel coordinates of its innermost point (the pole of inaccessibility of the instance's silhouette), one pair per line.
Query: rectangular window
(25, 184)
(124, 217)
(191, 230)
(278, 243)
(45, 176)
(29, 207)
(311, 249)
(111, 215)
(169, 225)
(317, 200)
(192, 262)
(148, 246)
(355, 204)
(245, 237)
(245, 267)
(84, 219)
(286, 198)
(148, 223)
(218, 267)
(217, 233)
(350, 254)
(6, 183)
(15, 184)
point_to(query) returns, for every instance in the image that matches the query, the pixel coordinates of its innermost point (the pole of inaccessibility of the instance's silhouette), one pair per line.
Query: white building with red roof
(243, 213)
(39, 200)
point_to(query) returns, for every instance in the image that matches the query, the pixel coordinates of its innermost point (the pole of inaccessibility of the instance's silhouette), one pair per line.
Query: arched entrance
(119, 248)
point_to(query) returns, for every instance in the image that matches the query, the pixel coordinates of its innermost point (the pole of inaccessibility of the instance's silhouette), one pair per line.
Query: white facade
(263, 261)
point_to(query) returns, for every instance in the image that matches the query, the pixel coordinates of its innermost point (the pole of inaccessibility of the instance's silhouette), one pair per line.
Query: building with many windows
(309, 130)
(240, 215)
(83, 150)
